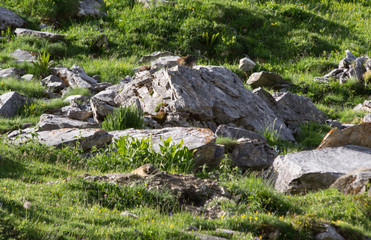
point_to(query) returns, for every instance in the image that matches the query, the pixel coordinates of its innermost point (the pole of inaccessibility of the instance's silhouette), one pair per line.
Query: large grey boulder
(200, 139)
(329, 234)
(9, 72)
(253, 154)
(81, 73)
(23, 56)
(317, 169)
(107, 96)
(51, 122)
(10, 103)
(202, 96)
(91, 8)
(10, 19)
(70, 137)
(267, 79)
(46, 35)
(168, 61)
(291, 108)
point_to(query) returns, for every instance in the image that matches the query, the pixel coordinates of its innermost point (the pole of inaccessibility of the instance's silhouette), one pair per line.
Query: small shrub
(124, 117)
(228, 143)
(43, 64)
(367, 78)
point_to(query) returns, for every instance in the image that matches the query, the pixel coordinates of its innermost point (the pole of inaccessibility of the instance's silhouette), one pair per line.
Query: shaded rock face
(317, 169)
(190, 189)
(53, 83)
(10, 103)
(46, 35)
(70, 137)
(75, 78)
(356, 182)
(291, 108)
(267, 79)
(91, 8)
(252, 154)
(10, 19)
(52, 122)
(199, 139)
(204, 96)
(237, 133)
(329, 234)
(356, 135)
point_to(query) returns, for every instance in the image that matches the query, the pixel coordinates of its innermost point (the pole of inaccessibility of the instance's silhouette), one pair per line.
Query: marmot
(188, 61)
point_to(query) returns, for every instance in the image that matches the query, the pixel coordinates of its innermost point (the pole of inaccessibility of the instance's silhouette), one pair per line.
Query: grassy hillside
(298, 39)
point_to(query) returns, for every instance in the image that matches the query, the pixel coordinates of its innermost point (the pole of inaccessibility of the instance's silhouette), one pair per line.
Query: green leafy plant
(124, 117)
(210, 41)
(43, 64)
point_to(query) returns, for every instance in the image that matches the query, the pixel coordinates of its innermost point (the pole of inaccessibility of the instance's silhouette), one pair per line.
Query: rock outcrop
(305, 171)
(10, 19)
(11, 102)
(46, 35)
(267, 79)
(51, 122)
(356, 182)
(203, 96)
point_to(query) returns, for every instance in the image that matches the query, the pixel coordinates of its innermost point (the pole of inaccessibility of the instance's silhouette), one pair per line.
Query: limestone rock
(267, 79)
(169, 61)
(91, 8)
(317, 169)
(74, 98)
(202, 96)
(81, 73)
(23, 56)
(330, 234)
(50, 122)
(356, 182)
(246, 64)
(27, 77)
(46, 35)
(9, 72)
(367, 118)
(10, 19)
(87, 138)
(101, 86)
(107, 96)
(75, 79)
(252, 154)
(149, 3)
(100, 109)
(368, 65)
(77, 113)
(53, 83)
(128, 214)
(200, 139)
(356, 135)
(10, 103)
(237, 133)
(365, 106)
(153, 56)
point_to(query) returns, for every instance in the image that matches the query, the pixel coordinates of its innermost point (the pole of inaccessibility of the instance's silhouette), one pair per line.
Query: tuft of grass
(29, 88)
(78, 91)
(124, 117)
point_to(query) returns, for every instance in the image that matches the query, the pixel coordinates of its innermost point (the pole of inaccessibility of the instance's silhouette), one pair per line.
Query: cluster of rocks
(349, 67)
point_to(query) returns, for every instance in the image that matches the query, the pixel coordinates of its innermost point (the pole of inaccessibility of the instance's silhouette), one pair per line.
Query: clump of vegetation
(367, 78)
(124, 117)
(43, 64)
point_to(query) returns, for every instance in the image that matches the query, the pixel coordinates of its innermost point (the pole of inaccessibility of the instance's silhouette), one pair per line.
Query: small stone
(246, 64)
(27, 77)
(128, 214)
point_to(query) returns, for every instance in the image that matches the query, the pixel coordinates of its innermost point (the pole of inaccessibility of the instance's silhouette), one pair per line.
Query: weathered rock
(9, 72)
(10, 19)
(267, 79)
(153, 56)
(107, 96)
(117, 87)
(252, 154)
(202, 140)
(10, 102)
(81, 73)
(27, 77)
(190, 189)
(317, 169)
(368, 65)
(50, 122)
(358, 70)
(365, 106)
(91, 8)
(76, 113)
(237, 133)
(169, 61)
(356, 135)
(356, 182)
(154, 3)
(23, 56)
(86, 138)
(101, 86)
(53, 83)
(74, 98)
(100, 109)
(367, 118)
(201, 96)
(128, 214)
(334, 123)
(291, 108)
(75, 79)
(46, 35)
(330, 234)
(246, 64)
(349, 56)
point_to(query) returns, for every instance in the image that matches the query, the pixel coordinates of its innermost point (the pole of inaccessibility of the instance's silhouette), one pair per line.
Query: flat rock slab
(69, 137)
(200, 139)
(47, 35)
(153, 56)
(266, 79)
(52, 122)
(356, 182)
(23, 56)
(356, 135)
(10, 19)
(9, 72)
(317, 169)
